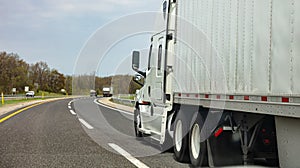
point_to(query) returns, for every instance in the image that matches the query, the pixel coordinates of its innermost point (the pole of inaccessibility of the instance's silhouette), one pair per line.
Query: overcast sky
(55, 31)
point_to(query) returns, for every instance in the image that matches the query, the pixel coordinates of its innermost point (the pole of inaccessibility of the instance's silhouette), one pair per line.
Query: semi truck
(93, 93)
(222, 83)
(107, 91)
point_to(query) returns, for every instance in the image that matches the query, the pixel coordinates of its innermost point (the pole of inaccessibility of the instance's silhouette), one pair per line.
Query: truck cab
(154, 98)
(107, 91)
(93, 93)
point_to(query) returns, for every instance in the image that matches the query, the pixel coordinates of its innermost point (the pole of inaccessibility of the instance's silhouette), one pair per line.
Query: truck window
(159, 58)
(149, 58)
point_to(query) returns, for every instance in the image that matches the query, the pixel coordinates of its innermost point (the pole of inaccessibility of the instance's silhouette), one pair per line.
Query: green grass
(20, 98)
(127, 97)
(23, 99)
(6, 102)
(40, 93)
(48, 94)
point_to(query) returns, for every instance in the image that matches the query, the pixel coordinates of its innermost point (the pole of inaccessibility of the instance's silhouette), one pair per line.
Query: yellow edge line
(19, 111)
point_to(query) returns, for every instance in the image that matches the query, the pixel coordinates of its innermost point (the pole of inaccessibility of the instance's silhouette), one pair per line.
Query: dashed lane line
(72, 112)
(128, 156)
(87, 125)
(117, 148)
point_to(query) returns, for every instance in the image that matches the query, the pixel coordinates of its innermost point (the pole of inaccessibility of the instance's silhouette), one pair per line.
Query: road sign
(26, 88)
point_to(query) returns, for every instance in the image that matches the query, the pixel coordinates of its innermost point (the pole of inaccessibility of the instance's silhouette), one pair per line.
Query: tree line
(122, 84)
(16, 73)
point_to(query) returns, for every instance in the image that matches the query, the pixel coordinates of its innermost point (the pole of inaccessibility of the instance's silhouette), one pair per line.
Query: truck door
(157, 80)
(152, 117)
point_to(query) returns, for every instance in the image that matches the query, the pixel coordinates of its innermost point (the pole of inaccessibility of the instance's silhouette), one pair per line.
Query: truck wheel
(180, 140)
(137, 123)
(197, 149)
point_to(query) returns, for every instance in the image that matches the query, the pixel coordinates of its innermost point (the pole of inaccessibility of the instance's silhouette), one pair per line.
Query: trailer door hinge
(168, 97)
(169, 69)
(170, 36)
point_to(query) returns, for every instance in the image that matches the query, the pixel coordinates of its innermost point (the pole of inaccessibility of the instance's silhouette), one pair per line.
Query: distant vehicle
(107, 91)
(93, 93)
(30, 94)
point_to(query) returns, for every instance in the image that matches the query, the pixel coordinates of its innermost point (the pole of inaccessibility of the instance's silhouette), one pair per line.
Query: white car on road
(30, 94)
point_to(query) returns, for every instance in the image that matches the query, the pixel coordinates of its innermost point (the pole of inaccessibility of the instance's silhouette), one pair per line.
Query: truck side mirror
(135, 60)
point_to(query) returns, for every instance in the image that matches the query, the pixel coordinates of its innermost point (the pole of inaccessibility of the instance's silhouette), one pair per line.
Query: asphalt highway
(76, 133)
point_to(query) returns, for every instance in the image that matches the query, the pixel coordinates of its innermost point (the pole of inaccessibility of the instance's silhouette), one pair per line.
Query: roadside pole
(42, 95)
(2, 98)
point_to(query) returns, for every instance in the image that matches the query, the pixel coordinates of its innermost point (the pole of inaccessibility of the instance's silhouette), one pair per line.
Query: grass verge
(9, 102)
(40, 93)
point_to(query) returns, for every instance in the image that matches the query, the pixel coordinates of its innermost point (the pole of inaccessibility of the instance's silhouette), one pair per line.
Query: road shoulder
(107, 102)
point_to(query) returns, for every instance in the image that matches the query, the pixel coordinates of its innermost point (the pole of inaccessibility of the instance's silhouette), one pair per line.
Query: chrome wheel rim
(195, 141)
(178, 135)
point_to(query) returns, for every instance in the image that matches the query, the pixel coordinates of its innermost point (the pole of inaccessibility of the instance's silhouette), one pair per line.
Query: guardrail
(127, 102)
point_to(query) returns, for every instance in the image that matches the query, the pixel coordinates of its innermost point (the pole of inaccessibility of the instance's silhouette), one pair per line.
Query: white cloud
(36, 29)
(34, 14)
(53, 8)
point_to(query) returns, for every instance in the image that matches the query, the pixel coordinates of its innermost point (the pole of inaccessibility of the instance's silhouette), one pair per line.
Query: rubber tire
(136, 124)
(182, 154)
(201, 159)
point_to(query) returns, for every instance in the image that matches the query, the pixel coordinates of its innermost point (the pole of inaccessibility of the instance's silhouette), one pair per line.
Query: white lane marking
(74, 99)
(69, 104)
(128, 156)
(87, 125)
(72, 112)
(115, 109)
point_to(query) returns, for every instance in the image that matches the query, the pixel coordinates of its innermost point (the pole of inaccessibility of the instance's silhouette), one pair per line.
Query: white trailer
(107, 91)
(223, 82)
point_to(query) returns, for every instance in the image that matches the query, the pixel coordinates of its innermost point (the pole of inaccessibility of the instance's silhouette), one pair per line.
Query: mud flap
(225, 150)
